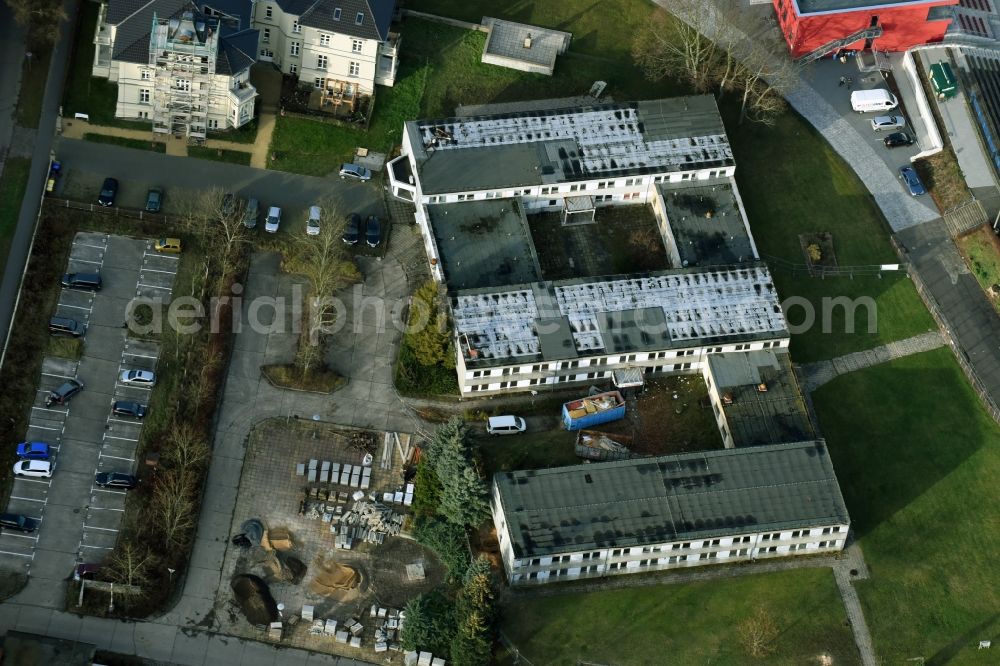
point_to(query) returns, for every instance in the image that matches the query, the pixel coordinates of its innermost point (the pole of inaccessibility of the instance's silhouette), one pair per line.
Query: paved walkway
(814, 375)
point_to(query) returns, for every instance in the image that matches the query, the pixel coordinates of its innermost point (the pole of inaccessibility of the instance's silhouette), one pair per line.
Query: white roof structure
(570, 318)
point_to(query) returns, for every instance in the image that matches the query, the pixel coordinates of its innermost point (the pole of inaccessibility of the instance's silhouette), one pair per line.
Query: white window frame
(293, 68)
(146, 74)
(359, 18)
(268, 11)
(293, 49)
(143, 95)
(357, 45)
(318, 83)
(296, 28)
(324, 39)
(336, 14)
(265, 35)
(322, 61)
(353, 68)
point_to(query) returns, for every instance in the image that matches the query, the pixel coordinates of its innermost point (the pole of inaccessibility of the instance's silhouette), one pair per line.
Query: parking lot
(79, 520)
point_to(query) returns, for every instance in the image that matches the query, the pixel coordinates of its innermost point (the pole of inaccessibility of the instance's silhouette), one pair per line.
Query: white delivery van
(505, 425)
(879, 99)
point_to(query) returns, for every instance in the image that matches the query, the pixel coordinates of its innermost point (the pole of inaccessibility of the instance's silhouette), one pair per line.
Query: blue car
(912, 180)
(33, 451)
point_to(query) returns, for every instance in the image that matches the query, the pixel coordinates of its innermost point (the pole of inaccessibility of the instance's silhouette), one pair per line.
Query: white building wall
(746, 546)
(136, 84)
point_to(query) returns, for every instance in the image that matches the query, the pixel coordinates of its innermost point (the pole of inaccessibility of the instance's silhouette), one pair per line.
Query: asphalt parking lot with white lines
(79, 521)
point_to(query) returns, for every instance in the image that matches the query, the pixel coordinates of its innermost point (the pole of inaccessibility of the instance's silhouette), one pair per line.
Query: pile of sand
(277, 538)
(333, 578)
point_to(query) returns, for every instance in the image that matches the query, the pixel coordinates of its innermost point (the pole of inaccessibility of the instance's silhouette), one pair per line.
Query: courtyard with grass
(981, 251)
(684, 623)
(918, 458)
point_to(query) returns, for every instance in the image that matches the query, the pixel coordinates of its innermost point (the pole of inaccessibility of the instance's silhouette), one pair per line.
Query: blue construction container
(593, 410)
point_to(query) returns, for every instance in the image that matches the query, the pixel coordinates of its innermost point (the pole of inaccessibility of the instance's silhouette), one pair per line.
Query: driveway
(86, 164)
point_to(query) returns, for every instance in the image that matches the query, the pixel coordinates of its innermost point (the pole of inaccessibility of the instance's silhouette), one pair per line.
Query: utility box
(593, 410)
(943, 80)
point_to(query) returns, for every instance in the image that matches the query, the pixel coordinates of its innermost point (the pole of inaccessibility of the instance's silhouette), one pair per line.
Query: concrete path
(76, 129)
(814, 375)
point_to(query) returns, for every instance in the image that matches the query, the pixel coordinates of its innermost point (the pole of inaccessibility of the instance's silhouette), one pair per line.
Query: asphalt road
(136, 170)
(21, 241)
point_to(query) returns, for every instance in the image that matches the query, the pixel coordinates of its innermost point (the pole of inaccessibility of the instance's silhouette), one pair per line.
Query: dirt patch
(818, 251)
(254, 599)
(333, 578)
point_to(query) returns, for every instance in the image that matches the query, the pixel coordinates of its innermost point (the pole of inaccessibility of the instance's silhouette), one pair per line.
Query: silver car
(355, 171)
(880, 123)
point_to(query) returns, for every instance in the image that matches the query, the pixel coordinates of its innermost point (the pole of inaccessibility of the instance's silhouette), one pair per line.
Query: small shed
(579, 210)
(943, 80)
(527, 48)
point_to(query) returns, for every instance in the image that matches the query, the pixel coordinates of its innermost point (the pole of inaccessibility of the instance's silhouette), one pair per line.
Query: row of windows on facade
(577, 187)
(606, 360)
(576, 378)
(359, 18)
(637, 550)
(324, 40)
(677, 559)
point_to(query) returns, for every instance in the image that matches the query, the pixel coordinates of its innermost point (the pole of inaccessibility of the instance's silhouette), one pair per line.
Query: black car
(61, 395)
(82, 281)
(109, 190)
(373, 231)
(352, 230)
(63, 326)
(17, 522)
(115, 480)
(897, 139)
(154, 200)
(133, 410)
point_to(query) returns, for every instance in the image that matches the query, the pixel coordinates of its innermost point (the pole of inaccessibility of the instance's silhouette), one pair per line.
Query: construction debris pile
(368, 521)
(422, 659)
(388, 624)
(595, 445)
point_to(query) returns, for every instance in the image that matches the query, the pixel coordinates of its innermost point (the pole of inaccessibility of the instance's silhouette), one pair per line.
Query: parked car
(897, 139)
(355, 171)
(18, 522)
(115, 480)
(128, 408)
(61, 395)
(34, 468)
(880, 123)
(505, 425)
(109, 190)
(312, 224)
(273, 220)
(154, 199)
(912, 180)
(137, 377)
(251, 214)
(50, 182)
(168, 245)
(82, 281)
(373, 231)
(64, 326)
(33, 451)
(352, 230)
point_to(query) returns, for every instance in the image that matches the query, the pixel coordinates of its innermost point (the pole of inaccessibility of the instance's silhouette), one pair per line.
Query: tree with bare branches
(758, 633)
(668, 47)
(174, 507)
(131, 563)
(186, 450)
(39, 18)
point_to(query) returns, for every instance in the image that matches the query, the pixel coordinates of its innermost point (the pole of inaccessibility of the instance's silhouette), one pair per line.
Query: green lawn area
(534, 449)
(918, 461)
(126, 142)
(34, 74)
(817, 191)
(983, 257)
(12, 185)
(220, 155)
(693, 623)
(84, 93)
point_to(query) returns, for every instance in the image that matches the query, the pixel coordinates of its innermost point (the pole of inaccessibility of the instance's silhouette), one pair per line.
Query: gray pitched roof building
(367, 19)
(670, 498)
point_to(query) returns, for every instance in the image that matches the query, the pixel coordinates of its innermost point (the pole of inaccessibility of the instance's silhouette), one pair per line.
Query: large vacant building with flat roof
(603, 519)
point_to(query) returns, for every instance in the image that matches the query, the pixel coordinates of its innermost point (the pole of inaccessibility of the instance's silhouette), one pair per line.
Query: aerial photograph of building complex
(427, 332)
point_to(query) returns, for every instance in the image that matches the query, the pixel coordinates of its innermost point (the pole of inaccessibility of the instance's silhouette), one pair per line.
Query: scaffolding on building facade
(182, 53)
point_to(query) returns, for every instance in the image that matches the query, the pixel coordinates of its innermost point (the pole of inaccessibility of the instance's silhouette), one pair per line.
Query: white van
(879, 99)
(505, 425)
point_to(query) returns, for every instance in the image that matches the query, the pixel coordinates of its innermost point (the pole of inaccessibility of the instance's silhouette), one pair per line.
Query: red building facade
(809, 25)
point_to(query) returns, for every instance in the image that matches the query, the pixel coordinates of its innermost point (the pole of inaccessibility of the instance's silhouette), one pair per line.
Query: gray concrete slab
(123, 638)
(64, 625)
(190, 648)
(155, 641)
(97, 631)
(34, 620)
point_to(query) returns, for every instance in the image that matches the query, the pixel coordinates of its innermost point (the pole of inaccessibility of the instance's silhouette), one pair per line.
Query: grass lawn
(245, 134)
(84, 93)
(943, 178)
(34, 74)
(125, 142)
(12, 185)
(918, 461)
(693, 623)
(817, 191)
(534, 449)
(220, 155)
(71, 348)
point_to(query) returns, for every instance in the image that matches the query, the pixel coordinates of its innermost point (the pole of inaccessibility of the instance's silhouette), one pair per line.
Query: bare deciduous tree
(130, 563)
(186, 451)
(174, 507)
(758, 633)
(39, 18)
(668, 47)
